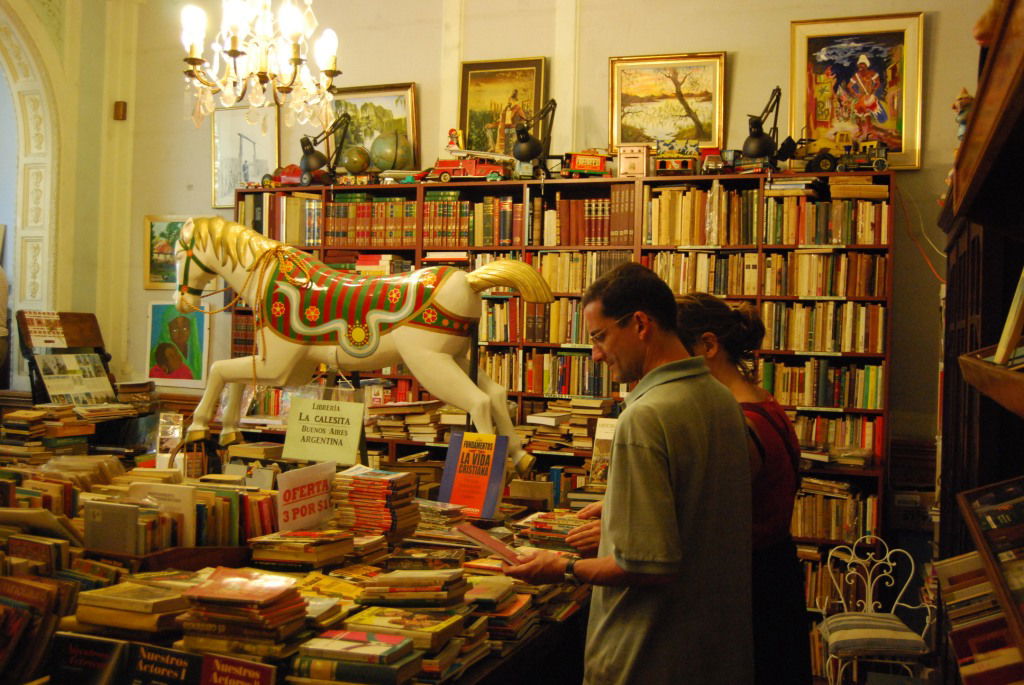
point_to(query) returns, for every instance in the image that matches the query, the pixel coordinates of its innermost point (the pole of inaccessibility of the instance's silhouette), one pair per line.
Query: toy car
(676, 166)
(868, 154)
(294, 175)
(471, 167)
(578, 164)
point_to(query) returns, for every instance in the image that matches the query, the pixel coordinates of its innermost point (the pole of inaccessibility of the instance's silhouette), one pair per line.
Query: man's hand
(585, 538)
(538, 568)
(591, 511)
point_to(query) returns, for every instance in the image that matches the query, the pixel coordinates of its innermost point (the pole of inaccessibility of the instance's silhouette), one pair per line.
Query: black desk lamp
(760, 144)
(527, 147)
(312, 159)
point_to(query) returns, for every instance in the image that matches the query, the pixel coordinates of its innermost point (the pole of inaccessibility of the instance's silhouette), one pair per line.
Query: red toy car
(471, 167)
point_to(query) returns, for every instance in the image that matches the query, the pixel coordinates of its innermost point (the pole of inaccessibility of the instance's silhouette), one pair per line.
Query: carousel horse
(306, 314)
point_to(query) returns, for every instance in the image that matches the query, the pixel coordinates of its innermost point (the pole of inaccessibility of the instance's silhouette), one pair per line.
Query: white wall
(424, 40)
(8, 165)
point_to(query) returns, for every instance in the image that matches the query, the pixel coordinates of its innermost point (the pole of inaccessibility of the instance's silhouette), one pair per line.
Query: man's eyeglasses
(597, 337)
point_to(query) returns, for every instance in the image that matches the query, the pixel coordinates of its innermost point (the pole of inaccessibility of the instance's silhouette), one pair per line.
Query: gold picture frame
(243, 148)
(495, 95)
(859, 78)
(161, 233)
(662, 100)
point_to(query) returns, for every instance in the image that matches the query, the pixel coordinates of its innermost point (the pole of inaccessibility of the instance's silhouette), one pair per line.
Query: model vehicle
(682, 165)
(294, 175)
(868, 154)
(578, 164)
(470, 167)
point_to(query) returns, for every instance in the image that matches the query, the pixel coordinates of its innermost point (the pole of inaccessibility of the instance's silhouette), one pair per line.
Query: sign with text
(304, 496)
(324, 430)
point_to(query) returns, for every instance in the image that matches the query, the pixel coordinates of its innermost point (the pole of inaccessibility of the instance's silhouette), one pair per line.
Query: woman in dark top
(727, 337)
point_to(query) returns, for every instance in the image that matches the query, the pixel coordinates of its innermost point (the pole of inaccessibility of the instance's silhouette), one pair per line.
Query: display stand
(63, 333)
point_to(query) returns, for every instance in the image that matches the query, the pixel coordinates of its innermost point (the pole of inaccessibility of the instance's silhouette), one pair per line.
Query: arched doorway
(29, 247)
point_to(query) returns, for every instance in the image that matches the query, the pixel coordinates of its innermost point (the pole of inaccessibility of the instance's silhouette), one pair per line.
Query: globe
(391, 150)
(355, 159)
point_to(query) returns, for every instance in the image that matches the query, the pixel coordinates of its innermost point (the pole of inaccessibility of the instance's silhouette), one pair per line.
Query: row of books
(571, 271)
(802, 221)
(821, 382)
(730, 274)
(585, 221)
(565, 373)
(691, 215)
(449, 221)
(827, 326)
(833, 510)
(825, 274)
(831, 436)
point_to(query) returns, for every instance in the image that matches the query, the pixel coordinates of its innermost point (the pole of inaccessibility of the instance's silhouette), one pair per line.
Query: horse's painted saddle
(335, 308)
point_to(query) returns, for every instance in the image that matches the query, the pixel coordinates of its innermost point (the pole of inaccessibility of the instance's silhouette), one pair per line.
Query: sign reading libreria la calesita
(324, 430)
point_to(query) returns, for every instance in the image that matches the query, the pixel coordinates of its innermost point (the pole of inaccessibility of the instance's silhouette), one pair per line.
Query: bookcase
(812, 254)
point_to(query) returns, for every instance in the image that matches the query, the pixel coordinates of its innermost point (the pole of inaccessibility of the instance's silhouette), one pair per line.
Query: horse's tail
(523, 277)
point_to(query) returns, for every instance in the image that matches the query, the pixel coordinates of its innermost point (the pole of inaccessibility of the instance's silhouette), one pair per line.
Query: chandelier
(261, 62)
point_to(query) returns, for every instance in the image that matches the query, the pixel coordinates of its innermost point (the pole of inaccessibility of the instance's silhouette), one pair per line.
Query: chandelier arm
(199, 74)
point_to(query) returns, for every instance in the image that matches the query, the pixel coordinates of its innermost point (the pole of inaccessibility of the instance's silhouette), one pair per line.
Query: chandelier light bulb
(325, 50)
(193, 28)
(289, 19)
(235, 18)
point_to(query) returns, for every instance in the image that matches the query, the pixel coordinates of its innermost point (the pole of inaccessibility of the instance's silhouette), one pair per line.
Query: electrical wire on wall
(913, 238)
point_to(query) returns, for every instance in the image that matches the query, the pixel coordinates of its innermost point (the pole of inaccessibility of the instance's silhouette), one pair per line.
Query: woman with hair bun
(727, 337)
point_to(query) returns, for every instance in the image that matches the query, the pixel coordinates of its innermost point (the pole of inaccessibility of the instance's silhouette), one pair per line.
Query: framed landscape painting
(497, 95)
(243, 148)
(663, 100)
(179, 346)
(161, 232)
(379, 109)
(858, 79)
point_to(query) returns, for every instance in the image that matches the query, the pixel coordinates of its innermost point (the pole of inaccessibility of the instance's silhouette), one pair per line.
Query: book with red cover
(241, 586)
(474, 472)
(487, 540)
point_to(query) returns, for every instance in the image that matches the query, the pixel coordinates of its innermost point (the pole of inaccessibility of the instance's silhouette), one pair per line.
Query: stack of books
(130, 606)
(23, 431)
(244, 612)
(439, 588)
(30, 610)
(105, 411)
(301, 550)
(423, 427)
(551, 428)
(65, 432)
(547, 529)
(367, 549)
(510, 621)
(425, 558)
(369, 501)
(356, 656)
(139, 394)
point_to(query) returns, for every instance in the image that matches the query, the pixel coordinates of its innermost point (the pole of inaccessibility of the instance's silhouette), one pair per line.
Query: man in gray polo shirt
(672, 602)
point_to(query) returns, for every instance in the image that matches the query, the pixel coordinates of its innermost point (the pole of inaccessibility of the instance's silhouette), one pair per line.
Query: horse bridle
(191, 258)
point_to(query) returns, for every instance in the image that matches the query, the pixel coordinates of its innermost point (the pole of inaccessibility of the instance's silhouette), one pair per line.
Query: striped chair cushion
(857, 634)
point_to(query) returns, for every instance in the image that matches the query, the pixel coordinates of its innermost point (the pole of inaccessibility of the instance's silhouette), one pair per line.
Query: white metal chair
(867, 628)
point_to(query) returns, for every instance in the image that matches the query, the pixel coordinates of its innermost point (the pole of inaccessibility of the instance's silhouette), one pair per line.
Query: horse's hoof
(196, 435)
(230, 438)
(525, 464)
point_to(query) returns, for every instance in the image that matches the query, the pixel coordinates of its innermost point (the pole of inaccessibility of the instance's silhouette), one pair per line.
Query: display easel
(63, 333)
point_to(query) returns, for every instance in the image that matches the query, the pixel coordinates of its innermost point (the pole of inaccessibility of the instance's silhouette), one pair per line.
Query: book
(77, 659)
(354, 645)
(396, 673)
(242, 587)
(474, 472)
(488, 541)
(1013, 326)
(129, 620)
(151, 665)
(427, 630)
(225, 670)
(130, 596)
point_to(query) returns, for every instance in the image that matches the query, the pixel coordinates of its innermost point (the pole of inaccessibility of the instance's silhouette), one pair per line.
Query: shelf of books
(813, 252)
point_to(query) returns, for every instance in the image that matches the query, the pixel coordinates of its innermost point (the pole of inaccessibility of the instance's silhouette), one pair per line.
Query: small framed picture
(380, 110)
(656, 100)
(161, 234)
(858, 79)
(243, 149)
(497, 95)
(179, 346)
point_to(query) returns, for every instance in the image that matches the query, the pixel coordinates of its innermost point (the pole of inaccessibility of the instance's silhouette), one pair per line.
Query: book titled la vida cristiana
(473, 472)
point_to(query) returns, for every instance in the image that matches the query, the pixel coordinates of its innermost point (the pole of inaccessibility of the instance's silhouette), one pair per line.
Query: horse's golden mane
(232, 242)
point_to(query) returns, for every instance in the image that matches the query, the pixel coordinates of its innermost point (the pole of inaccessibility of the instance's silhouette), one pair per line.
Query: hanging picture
(497, 95)
(161, 233)
(384, 124)
(178, 346)
(244, 149)
(665, 100)
(858, 80)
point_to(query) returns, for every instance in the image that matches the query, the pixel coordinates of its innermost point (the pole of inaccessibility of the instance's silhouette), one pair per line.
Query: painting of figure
(495, 97)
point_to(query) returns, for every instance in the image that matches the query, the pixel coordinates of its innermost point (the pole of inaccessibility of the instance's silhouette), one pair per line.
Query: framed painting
(377, 110)
(494, 96)
(179, 346)
(243, 149)
(161, 232)
(663, 100)
(858, 79)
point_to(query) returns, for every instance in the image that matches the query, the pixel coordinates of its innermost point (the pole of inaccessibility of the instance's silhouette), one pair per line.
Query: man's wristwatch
(570, 572)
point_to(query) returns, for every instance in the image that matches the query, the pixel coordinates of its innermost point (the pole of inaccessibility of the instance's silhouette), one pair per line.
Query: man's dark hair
(632, 287)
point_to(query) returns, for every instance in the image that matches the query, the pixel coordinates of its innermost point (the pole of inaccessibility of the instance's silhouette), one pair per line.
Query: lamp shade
(527, 147)
(758, 143)
(312, 159)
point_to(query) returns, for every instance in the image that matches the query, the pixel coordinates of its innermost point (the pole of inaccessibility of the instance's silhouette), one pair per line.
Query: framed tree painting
(859, 79)
(663, 100)
(497, 95)
(376, 111)
(179, 346)
(243, 148)
(161, 232)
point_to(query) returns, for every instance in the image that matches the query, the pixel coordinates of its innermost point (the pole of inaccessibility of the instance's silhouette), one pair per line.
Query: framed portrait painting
(376, 111)
(179, 346)
(161, 233)
(494, 96)
(663, 100)
(243, 149)
(858, 79)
